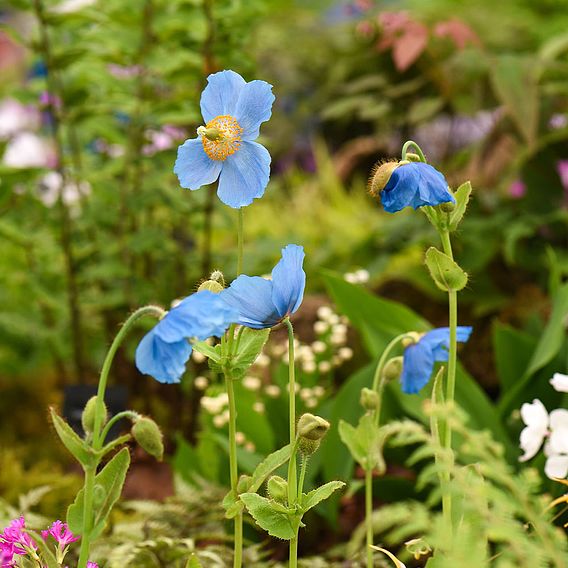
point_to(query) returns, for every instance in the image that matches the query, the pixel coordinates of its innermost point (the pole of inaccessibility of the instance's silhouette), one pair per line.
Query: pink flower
(61, 533)
(517, 189)
(92, 565)
(562, 169)
(14, 540)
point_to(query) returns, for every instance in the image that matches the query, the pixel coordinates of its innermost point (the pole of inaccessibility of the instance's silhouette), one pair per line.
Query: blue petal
(193, 167)
(417, 367)
(289, 280)
(200, 315)
(252, 297)
(245, 175)
(254, 107)
(221, 94)
(415, 185)
(163, 361)
(439, 340)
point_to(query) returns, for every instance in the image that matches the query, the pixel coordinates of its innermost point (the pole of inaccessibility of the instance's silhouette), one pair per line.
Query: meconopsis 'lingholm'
(165, 349)
(263, 303)
(409, 184)
(233, 111)
(420, 356)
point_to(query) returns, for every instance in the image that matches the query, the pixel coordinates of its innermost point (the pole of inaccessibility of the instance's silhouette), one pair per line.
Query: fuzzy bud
(393, 369)
(215, 283)
(243, 484)
(278, 488)
(88, 416)
(312, 427)
(369, 399)
(447, 207)
(380, 177)
(147, 433)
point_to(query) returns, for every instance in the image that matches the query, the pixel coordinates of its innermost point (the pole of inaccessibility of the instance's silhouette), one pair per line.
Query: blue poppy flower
(414, 185)
(419, 358)
(264, 303)
(165, 349)
(233, 111)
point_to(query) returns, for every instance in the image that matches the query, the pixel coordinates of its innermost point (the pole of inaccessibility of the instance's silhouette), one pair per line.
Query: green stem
(234, 468)
(293, 562)
(117, 417)
(98, 439)
(451, 383)
(303, 469)
(378, 382)
(419, 151)
(369, 514)
(240, 240)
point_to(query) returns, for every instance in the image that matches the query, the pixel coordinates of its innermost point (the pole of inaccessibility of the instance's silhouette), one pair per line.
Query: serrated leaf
(461, 195)
(267, 466)
(263, 511)
(110, 479)
(348, 435)
(250, 344)
(71, 440)
(446, 273)
(311, 499)
(213, 353)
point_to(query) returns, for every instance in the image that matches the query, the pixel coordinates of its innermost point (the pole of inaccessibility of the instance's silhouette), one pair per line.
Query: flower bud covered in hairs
(311, 430)
(381, 175)
(278, 488)
(215, 283)
(369, 399)
(393, 369)
(147, 433)
(88, 416)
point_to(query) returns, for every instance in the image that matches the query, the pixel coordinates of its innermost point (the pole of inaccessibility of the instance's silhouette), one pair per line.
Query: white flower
(16, 117)
(321, 327)
(541, 425)
(251, 383)
(259, 407)
(324, 312)
(273, 391)
(51, 186)
(559, 382)
(324, 367)
(318, 346)
(201, 383)
(27, 150)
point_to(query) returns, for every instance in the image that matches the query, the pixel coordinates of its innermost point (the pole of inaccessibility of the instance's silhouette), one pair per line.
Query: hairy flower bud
(369, 399)
(147, 433)
(380, 176)
(88, 416)
(215, 283)
(393, 369)
(312, 427)
(244, 484)
(278, 488)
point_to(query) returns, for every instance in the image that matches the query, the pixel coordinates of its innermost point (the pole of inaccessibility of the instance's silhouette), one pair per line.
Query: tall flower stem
(378, 387)
(240, 239)
(292, 474)
(98, 438)
(409, 144)
(451, 377)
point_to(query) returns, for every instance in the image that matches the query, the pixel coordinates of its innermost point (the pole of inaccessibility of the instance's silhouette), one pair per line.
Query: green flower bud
(369, 399)
(380, 176)
(393, 369)
(308, 447)
(215, 283)
(147, 433)
(312, 427)
(278, 488)
(243, 484)
(88, 416)
(412, 337)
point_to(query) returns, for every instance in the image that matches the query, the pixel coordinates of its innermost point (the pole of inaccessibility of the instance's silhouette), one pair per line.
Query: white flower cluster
(360, 276)
(553, 427)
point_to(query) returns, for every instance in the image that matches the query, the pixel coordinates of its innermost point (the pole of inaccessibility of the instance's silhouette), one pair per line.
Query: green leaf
(548, 346)
(363, 442)
(110, 481)
(424, 108)
(250, 344)
(213, 353)
(268, 465)
(461, 195)
(71, 440)
(269, 517)
(193, 562)
(445, 272)
(311, 499)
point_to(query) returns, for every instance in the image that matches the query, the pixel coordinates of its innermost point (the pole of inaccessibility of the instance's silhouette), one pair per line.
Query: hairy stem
(369, 514)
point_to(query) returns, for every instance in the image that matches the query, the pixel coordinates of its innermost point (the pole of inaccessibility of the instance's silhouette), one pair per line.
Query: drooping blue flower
(165, 349)
(233, 111)
(263, 303)
(414, 185)
(419, 358)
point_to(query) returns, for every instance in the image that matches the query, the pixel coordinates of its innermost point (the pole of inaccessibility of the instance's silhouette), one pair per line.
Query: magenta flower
(92, 565)
(14, 540)
(517, 189)
(61, 533)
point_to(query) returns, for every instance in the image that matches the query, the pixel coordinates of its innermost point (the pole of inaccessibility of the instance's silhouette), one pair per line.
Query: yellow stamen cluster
(227, 137)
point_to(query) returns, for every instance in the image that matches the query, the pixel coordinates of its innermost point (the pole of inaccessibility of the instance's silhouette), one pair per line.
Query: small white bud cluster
(215, 404)
(360, 276)
(312, 396)
(241, 440)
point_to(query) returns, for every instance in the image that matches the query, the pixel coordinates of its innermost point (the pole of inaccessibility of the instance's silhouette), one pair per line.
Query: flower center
(221, 137)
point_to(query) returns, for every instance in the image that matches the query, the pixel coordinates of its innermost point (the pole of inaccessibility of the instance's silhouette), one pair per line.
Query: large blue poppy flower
(233, 111)
(419, 358)
(165, 349)
(414, 185)
(263, 303)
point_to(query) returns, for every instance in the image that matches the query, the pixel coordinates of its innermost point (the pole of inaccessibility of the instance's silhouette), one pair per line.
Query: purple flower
(61, 533)
(14, 540)
(517, 189)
